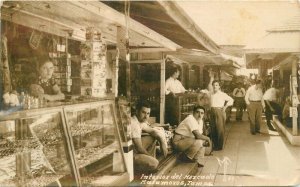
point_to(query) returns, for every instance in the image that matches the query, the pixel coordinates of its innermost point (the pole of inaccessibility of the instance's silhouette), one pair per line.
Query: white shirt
(253, 94)
(219, 98)
(188, 125)
(271, 94)
(239, 92)
(137, 127)
(174, 85)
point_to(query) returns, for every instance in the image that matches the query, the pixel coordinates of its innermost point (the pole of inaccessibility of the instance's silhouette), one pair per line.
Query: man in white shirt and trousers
(173, 86)
(219, 102)
(255, 106)
(239, 94)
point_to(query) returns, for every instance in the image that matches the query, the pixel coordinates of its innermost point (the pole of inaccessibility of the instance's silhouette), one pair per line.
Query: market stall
(274, 52)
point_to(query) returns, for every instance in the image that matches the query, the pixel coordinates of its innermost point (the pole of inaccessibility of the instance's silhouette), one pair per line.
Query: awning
(204, 58)
(225, 76)
(170, 20)
(272, 49)
(276, 42)
(280, 43)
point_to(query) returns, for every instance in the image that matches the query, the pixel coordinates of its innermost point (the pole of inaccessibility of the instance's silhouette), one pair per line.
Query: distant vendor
(173, 86)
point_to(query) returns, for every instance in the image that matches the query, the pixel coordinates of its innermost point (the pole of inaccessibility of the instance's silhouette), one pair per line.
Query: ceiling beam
(152, 18)
(36, 22)
(193, 52)
(104, 11)
(143, 50)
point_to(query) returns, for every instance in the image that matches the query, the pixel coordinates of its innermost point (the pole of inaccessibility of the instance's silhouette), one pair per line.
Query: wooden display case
(180, 106)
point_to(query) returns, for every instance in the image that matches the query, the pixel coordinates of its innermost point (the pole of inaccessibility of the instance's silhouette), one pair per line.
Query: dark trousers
(239, 105)
(218, 117)
(277, 111)
(170, 113)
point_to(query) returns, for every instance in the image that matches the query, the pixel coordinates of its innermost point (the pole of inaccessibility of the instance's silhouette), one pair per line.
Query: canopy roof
(170, 20)
(281, 42)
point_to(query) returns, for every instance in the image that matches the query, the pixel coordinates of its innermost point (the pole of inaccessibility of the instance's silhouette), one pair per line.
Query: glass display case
(68, 145)
(34, 151)
(96, 141)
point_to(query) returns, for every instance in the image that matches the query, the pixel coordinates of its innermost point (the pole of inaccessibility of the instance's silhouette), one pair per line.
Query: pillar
(201, 76)
(123, 54)
(162, 91)
(294, 95)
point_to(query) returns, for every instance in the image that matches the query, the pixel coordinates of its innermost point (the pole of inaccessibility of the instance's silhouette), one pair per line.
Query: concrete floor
(265, 159)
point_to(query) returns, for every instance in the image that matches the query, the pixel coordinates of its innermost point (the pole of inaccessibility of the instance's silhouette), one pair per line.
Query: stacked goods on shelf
(93, 65)
(62, 67)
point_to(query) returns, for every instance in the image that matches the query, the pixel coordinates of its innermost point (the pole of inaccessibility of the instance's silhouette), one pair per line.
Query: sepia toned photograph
(149, 93)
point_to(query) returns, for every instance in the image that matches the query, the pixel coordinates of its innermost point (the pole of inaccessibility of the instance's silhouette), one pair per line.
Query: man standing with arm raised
(219, 102)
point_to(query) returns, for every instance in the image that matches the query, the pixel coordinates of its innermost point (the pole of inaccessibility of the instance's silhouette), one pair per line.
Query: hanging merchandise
(35, 39)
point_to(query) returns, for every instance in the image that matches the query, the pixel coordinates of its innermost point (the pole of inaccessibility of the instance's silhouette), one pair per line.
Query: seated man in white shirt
(188, 136)
(144, 146)
(173, 86)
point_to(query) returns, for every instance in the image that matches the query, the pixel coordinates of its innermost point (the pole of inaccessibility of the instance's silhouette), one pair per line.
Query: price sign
(295, 100)
(293, 112)
(294, 81)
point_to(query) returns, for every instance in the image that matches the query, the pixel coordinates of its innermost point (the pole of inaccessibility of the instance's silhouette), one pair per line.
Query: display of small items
(93, 65)
(93, 134)
(187, 104)
(62, 70)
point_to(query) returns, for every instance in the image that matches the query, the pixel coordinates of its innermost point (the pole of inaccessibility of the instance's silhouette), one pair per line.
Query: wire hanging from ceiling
(127, 18)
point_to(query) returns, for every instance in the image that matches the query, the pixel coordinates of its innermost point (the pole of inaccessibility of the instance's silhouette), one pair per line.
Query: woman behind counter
(45, 86)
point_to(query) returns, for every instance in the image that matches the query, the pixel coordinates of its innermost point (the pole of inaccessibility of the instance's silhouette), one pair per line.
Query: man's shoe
(185, 158)
(200, 165)
(253, 133)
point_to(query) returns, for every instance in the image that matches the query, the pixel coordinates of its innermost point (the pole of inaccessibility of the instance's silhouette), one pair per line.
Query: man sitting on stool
(144, 146)
(188, 136)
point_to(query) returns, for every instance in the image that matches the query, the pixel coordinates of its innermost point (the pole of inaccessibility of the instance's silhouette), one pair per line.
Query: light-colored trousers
(193, 148)
(144, 162)
(255, 115)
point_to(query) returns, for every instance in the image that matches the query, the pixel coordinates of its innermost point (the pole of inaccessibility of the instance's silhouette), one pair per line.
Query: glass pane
(40, 154)
(7, 153)
(96, 142)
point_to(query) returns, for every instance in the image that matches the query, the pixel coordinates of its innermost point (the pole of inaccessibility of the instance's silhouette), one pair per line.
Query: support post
(123, 51)
(294, 95)
(162, 91)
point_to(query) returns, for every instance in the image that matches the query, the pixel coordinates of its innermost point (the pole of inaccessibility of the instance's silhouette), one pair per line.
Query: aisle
(262, 159)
